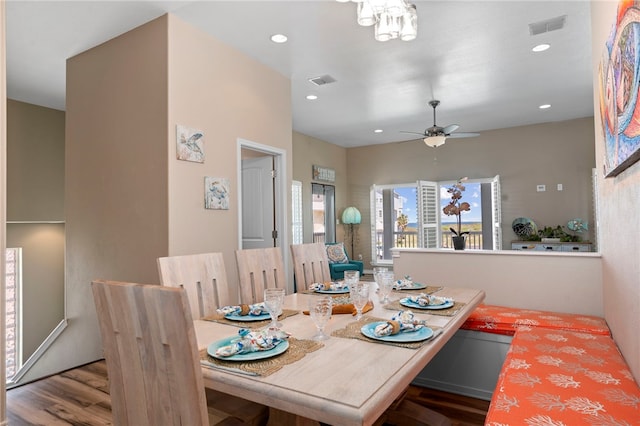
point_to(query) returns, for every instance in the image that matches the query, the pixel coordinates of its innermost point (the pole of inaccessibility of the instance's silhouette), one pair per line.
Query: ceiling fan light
(435, 141)
(366, 17)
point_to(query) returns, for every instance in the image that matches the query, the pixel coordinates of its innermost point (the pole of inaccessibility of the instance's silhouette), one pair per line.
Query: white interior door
(258, 203)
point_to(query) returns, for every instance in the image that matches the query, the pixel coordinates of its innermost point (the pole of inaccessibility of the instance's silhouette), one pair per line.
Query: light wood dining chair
(259, 269)
(204, 278)
(153, 364)
(310, 264)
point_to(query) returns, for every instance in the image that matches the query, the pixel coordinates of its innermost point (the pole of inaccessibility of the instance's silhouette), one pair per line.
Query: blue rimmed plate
(251, 356)
(343, 290)
(236, 317)
(413, 286)
(413, 336)
(409, 304)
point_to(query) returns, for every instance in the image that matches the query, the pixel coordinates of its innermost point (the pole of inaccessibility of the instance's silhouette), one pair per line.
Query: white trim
(281, 199)
(38, 353)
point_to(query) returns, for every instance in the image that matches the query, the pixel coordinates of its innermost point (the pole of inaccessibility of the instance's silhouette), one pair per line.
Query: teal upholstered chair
(339, 261)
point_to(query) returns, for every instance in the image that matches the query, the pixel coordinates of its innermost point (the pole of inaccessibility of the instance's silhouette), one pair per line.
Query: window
(13, 302)
(323, 213)
(410, 215)
(297, 236)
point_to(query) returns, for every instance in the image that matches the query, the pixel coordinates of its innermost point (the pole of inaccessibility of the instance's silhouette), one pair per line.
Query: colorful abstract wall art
(619, 77)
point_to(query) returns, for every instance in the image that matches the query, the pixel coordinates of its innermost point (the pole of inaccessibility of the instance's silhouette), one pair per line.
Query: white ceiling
(474, 56)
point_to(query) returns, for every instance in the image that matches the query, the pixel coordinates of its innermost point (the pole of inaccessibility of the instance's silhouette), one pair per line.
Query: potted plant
(455, 208)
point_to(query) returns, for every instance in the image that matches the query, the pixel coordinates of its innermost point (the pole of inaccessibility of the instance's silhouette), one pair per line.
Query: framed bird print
(189, 144)
(216, 193)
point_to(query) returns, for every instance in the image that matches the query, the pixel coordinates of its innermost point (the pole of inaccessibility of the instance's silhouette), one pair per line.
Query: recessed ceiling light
(545, 106)
(541, 47)
(278, 38)
(312, 97)
(378, 131)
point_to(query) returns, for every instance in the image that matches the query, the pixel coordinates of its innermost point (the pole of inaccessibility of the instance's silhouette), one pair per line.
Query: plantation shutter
(496, 216)
(428, 214)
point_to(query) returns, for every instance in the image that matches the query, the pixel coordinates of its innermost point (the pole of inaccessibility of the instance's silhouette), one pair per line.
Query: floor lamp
(350, 217)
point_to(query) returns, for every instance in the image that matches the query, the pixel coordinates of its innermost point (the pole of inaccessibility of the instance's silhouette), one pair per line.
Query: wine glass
(359, 294)
(273, 300)
(320, 312)
(386, 285)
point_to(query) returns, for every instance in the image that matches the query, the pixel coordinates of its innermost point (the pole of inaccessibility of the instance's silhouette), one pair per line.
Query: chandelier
(390, 18)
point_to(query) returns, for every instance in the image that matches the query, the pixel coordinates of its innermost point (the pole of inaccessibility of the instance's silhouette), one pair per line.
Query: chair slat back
(204, 278)
(310, 264)
(259, 269)
(151, 354)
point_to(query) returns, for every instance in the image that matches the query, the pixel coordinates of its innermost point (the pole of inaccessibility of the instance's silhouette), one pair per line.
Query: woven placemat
(286, 313)
(263, 367)
(352, 331)
(395, 305)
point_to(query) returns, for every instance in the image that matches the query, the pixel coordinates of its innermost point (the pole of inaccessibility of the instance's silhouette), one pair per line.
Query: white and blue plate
(251, 356)
(412, 336)
(248, 318)
(410, 304)
(414, 286)
(343, 290)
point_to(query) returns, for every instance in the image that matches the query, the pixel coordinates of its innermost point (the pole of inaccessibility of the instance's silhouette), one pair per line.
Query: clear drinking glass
(320, 312)
(386, 285)
(351, 277)
(273, 301)
(359, 295)
(376, 274)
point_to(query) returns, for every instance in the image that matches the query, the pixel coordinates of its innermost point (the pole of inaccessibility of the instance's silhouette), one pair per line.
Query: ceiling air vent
(321, 81)
(548, 25)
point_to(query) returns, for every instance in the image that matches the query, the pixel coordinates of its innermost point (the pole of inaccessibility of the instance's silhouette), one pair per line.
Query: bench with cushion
(560, 377)
(471, 362)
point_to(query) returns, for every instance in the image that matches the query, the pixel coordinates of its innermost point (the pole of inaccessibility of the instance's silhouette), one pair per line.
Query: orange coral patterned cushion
(559, 377)
(503, 320)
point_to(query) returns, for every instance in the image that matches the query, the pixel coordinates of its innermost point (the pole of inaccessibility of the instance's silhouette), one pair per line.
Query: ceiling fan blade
(450, 128)
(413, 133)
(463, 135)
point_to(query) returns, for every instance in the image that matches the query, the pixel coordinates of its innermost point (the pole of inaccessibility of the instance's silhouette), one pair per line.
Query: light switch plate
(541, 188)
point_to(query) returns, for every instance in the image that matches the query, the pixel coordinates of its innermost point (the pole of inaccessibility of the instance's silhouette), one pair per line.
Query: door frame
(280, 196)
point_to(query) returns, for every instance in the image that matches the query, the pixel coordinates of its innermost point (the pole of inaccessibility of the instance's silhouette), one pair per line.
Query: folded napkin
(256, 309)
(403, 283)
(402, 322)
(253, 341)
(424, 299)
(329, 286)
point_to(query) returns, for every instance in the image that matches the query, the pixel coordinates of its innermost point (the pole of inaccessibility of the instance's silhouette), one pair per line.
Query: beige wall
(128, 200)
(115, 194)
(619, 202)
(35, 172)
(228, 96)
(35, 193)
(524, 157)
(309, 151)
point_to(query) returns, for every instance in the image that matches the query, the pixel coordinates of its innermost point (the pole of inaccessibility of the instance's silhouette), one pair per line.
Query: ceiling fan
(435, 136)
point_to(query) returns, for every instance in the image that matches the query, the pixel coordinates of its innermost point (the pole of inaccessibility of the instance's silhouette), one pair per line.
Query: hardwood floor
(81, 397)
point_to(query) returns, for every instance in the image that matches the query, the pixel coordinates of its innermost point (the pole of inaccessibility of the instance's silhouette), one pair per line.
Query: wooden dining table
(347, 381)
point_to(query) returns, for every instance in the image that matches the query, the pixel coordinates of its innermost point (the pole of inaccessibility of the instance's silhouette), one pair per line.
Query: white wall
(545, 281)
